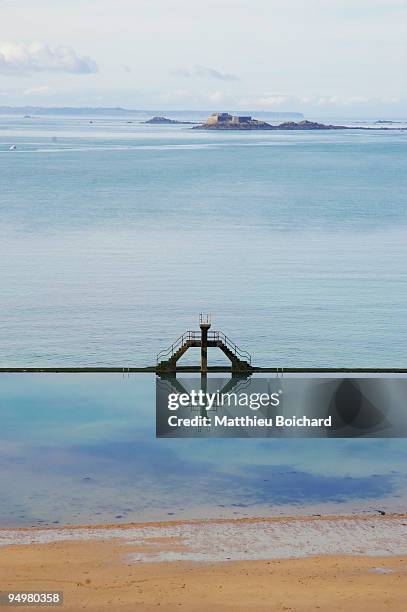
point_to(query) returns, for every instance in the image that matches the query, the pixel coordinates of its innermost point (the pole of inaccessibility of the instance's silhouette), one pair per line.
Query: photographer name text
(247, 421)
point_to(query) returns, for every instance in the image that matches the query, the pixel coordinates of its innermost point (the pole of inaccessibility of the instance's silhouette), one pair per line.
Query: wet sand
(101, 569)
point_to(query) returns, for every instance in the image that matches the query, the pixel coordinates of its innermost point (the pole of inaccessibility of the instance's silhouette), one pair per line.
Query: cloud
(343, 100)
(178, 94)
(20, 58)
(351, 100)
(216, 96)
(265, 101)
(206, 73)
(273, 100)
(41, 89)
(270, 100)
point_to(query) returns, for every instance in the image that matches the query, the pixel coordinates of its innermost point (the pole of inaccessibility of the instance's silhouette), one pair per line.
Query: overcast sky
(320, 57)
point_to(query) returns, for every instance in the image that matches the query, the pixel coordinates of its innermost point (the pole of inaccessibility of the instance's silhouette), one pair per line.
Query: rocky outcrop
(253, 124)
(165, 121)
(233, 123)
(308, 125)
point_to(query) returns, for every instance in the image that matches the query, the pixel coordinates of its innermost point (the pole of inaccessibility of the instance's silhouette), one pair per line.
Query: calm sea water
(115, 235)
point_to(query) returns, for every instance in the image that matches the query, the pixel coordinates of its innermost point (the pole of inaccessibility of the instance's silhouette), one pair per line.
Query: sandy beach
(94, 576)
(165, 565)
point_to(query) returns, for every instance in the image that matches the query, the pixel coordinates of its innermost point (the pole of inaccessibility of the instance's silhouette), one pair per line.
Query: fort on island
(217, 118)
(226, 121)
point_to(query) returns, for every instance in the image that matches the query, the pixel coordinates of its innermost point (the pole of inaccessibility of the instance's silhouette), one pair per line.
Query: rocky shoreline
(305, 125)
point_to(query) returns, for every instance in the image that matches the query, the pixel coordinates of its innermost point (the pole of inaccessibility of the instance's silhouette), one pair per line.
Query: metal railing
(169, 352)
(213, 336)
(205, 319)
(240, 353)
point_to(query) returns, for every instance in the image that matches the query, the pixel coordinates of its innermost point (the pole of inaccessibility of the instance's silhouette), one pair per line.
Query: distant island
(387, 121)
(225, 121)
(165, 121)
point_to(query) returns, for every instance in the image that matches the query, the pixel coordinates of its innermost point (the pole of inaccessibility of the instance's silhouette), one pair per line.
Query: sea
(116, 234)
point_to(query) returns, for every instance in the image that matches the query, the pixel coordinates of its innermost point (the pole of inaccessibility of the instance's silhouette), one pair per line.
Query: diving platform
(240, 360)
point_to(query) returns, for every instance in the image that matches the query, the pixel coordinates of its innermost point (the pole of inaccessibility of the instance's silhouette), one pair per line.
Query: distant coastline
(118, 110)
(198, 119)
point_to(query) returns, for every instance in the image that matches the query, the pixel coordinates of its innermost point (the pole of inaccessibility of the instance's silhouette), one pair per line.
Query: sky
(318, 57)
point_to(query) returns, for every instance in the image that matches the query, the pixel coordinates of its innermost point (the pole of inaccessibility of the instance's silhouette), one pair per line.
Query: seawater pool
(81, 449)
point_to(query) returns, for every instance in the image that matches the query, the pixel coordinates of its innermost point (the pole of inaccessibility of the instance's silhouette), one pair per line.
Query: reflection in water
(168, 383)
(82, 449)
